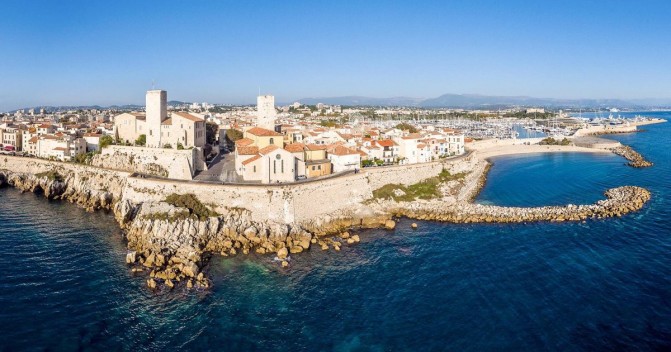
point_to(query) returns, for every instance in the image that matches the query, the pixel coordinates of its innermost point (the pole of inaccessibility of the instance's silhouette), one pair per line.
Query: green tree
(180, 146)
(141, 140)
(406, 127)
(106, 141)
(211, 130)
(167, 146)
(233, 135)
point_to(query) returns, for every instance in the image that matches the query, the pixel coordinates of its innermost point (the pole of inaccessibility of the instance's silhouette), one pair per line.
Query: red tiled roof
(247, 150)
(262, 132)
(386, 143)
(340, 150)
(269, 149)
(188, 116)
(252, 159)
(243, 142)
(294, 147)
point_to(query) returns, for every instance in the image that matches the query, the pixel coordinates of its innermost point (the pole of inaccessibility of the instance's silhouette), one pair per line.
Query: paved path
(220, 169)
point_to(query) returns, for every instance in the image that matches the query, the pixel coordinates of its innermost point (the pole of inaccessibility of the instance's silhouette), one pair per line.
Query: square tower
(265, 110)
(157, 112)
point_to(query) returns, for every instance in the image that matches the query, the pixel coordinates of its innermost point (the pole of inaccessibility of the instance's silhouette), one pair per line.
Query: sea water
(597, 285)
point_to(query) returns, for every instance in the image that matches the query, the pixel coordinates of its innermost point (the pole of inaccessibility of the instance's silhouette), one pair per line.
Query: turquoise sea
(602, 285)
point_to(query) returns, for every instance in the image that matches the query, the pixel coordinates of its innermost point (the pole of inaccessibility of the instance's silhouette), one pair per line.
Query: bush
(106, 141)
(406, 127)
(141, 140)
(180, 146)
(233, 135)
(51, 175)
(167, 146)
(189, 201)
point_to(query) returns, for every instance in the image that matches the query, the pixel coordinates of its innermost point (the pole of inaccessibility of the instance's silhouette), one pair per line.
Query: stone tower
(265, 110)
(157, 112)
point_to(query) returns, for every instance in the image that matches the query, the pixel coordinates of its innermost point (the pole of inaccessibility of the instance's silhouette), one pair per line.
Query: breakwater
(635, 159)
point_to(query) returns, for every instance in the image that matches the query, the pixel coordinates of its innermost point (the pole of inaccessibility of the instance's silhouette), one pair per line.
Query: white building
(157, 112)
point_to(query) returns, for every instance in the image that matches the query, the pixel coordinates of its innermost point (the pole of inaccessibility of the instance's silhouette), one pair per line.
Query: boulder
(150, 260)
(169, 283)
(390, 224)
(131, 257)
(282, 253)
(151, 283)
(190, 269)
(285, 263)
(414, 225)
(356, 238)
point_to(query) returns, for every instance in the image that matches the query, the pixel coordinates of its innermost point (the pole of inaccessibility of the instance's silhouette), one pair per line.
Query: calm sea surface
(602, 285)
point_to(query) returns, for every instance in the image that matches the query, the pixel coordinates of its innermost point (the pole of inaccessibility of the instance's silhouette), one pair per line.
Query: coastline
(172, 248)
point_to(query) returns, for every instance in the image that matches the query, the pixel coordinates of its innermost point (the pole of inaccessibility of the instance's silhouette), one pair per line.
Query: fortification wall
(171, 163)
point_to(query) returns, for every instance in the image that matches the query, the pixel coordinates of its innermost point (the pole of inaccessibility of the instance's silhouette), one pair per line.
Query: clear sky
(108, 52)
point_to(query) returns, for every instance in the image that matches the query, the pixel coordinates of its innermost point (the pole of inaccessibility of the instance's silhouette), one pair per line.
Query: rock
(350, 241)
(285, 263)
(190, 269)
(151, 283)
(344, 235)
(295, 249)
(200, 277)
(189, 284)
(169, 283)
(356, 238)
(414, 225)
(136, 270)
(131, 257)
(324, 246)
(282, 253)
(149, 262)
(390, 224)
(313, 241)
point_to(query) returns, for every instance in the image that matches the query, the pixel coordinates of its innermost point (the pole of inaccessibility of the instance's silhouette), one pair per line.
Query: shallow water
(598, 285)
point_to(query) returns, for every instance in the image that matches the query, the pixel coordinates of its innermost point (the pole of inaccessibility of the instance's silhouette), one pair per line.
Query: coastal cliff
(173, 227)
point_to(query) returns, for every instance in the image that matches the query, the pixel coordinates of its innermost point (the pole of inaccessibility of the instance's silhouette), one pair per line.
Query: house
(262, 137)
(92, 141)
(271, 164)
(344, 158)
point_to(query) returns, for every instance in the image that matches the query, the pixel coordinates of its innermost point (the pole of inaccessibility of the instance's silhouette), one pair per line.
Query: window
(314, 168)
(254, 168)
(319, 167)
(272, 141)
(274, 167)
(282, 166)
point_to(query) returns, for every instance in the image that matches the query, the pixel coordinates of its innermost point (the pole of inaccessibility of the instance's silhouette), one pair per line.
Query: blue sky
(108, 52)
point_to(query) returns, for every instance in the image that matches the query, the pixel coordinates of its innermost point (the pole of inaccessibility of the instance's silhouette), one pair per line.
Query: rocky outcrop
(635, 159)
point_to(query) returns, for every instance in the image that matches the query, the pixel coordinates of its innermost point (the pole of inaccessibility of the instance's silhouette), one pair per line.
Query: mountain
(362, 101)
(477, 101)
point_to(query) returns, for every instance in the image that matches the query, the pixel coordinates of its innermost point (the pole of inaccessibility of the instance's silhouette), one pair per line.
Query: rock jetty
(635, 159)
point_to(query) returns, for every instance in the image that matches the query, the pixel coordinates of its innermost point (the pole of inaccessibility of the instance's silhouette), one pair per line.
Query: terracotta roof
(247, 150)
(167, 122)
(252, 159)
(33, 140)
(262, 132)
(92, 135)
(313, 147)
(412, 136)
(188, 116)
(269, 149)
(61, 149)
(243, 142)
(294, 147)
(386, 143)
(340, 150)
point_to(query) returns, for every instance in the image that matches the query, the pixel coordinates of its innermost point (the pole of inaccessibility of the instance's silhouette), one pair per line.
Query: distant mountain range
(464, 101)
(473, 101)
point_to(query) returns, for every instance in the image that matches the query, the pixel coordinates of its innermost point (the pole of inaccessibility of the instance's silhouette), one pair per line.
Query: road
(220, 169)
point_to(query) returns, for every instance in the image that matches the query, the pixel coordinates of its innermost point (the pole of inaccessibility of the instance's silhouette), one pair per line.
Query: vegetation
(189, 201)
(106, 141)
(180, 215)
(404, 126)
(84, 158)
(552, 141)
(141, 140)
(211, 130)
(180, 146)
(327, 123)
(51, 175)
(167, 146)
(233, 135)
(427, 189)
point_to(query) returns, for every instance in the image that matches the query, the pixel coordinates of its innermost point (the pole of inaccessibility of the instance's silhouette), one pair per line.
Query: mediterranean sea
(599, 285)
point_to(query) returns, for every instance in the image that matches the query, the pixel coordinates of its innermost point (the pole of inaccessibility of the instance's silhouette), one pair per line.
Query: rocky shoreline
(171, 245)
